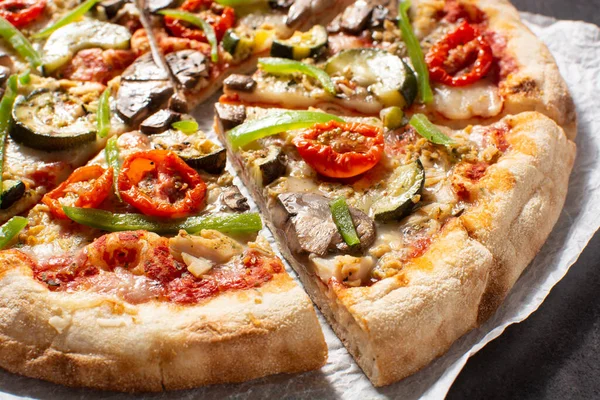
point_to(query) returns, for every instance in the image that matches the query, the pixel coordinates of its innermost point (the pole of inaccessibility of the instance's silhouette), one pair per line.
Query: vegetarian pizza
(410, 160)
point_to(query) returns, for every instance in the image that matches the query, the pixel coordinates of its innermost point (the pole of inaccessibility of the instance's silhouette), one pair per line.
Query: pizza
(410, 160)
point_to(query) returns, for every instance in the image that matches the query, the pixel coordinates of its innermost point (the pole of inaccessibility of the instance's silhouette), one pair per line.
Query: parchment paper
(576, 46)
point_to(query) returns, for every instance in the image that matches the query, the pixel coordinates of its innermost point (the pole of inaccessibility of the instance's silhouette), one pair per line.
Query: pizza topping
(113, 222)
(52, 120)
(415, 52)
(341, 150)
(72, 16)
(12, 191)
(461, 58)
(343, 221)
(11, 229)
(208, 31)
(161, 184)
(159, 122)
(103, 114)
(428, 130)
(208, 244)
(111, 152)
(96, 65)
(383, 74)
(266, 165)
(21, 12)
(307, 222)
(138, 266)
(6, 106)
(20, 43)
(282, 66)
(455, 10)
(197, 151)
(392, 117)
(481, 99)
(403, 191)
(87, 187)
(301, 45)
(274, 124)
(65, 42)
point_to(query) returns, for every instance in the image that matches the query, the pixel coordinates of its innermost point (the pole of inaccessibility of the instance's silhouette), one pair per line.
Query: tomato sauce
(150, 258)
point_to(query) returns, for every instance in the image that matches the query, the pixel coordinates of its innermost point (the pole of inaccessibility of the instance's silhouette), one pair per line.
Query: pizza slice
(164, 283)
(406, 239)
(482, 60)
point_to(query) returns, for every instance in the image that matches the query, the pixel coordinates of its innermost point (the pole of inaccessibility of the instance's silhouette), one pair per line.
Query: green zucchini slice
(301, 45)
(405, 184)
(52, 120)
(239, 44)
(197, 151)
(267, 165)
(389, 78)
(12, 191)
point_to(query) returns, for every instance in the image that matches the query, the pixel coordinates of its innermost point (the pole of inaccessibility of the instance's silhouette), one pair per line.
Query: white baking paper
(576, 46)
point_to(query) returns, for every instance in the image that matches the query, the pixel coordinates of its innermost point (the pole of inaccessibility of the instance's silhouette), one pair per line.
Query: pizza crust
(93, 340)
(520, 200)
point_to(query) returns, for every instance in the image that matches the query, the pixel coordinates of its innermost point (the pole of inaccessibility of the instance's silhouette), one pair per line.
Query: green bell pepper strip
(11, 229)
(283, 66)
(415, 52)
(271, 125)
(187, 126)
(429, 131)
(25, 78)
(103, 115)
(343, 220)
(20, 43)
(6, 106)
(107, 221)
(111, 152)
(73, 16)
(200, 23)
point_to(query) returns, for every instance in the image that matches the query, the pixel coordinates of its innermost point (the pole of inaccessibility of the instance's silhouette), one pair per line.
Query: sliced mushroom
(378, 17)
(229, 116)
(159, 122)
(241, 83)
(144, 89)
(144, 69)
(156, 5)
(137, 100)
(112, 7)
(355, 18)
(189, 66)
(234, 199)
(305, 219)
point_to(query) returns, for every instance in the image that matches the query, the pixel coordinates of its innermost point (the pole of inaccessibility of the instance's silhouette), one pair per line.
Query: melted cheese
(481, 99)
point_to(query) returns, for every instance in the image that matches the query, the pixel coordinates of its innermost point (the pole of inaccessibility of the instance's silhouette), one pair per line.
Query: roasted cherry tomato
(87, 187)
(221, 18)
(455, 11)
(461, 58)
(160, 184)
(21, 12)
(341, 150)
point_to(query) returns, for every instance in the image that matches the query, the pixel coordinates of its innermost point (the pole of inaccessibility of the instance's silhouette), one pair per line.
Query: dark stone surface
(555, 353)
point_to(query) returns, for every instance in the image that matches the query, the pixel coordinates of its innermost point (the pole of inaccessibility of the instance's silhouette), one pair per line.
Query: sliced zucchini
(301, 45)
(267, 165)
(239, 44)
(405, 184)
(389, 78)
(197, 151)
(52, 120)
(65, 42)
(12, 191)
(392, 117)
